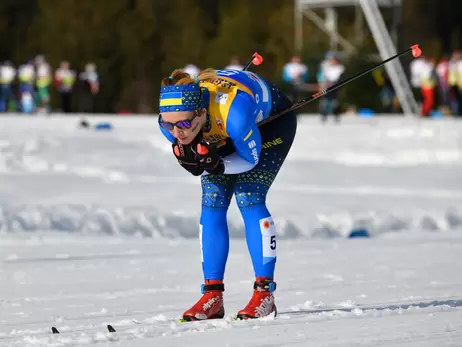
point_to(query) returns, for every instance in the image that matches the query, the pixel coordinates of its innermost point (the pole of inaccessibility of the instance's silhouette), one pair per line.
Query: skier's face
(184, 125)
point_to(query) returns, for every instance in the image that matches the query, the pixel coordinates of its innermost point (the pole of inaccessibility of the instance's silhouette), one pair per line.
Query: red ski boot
(210, 306)
(262, 302)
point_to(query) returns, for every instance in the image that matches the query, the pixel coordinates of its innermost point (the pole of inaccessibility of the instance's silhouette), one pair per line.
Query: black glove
(187, 158)
(209, 159)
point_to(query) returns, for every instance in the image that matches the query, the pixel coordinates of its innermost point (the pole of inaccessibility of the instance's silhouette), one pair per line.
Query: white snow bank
(39, 143)
(145, 222)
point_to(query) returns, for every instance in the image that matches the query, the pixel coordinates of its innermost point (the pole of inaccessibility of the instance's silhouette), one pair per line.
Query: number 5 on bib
(268, 235)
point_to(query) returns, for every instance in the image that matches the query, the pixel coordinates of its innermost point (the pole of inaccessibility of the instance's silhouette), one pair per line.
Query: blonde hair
(181, 77)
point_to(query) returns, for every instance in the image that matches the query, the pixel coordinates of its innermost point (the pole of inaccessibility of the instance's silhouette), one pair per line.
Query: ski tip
(54, 330)
(111, 328)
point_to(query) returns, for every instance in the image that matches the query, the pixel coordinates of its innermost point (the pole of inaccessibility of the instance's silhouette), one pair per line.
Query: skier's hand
(209, 159)
(187, 158)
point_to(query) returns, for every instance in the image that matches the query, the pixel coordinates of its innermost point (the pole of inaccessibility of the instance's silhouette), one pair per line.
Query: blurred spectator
(7, 76)
(428, 83)
(442, 71)
(330, 72)
(234, 64)
(26, 96)
(42, 81)
(64, 80)
(416, 68)
(455, 83)
(90, 79)
(388, 98)
(295, 76)
(192, 69)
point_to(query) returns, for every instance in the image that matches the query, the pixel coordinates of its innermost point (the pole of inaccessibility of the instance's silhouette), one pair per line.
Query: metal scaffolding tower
(385, 44)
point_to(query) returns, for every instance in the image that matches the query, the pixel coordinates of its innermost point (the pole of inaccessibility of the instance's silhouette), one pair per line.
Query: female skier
(212, 122)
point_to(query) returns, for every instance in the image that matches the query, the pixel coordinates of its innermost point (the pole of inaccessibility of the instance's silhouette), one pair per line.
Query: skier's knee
(247, 198)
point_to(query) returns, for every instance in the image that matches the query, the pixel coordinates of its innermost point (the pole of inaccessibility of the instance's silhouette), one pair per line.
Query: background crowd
(109, 56)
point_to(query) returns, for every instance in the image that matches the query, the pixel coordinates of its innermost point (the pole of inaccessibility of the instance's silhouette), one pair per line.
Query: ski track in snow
(159, 326)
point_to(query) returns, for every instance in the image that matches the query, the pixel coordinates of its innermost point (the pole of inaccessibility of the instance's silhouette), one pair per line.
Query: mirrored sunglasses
(182, 124)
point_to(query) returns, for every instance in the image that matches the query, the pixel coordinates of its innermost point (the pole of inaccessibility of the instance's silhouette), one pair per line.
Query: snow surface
(96, 228)
(141, 287)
